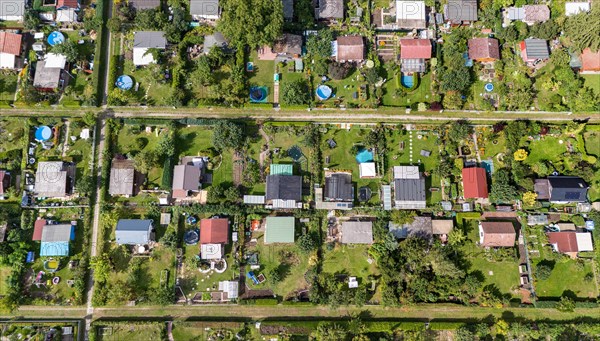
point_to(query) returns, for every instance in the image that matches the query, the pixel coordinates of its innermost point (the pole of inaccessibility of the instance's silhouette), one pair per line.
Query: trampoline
(323, 92)
(295, 153)
(191, 237)
(364, 155)
(124, 82)
(364, 194)
(489, 87)
(43, 133)
(56, 38)
(258, 94)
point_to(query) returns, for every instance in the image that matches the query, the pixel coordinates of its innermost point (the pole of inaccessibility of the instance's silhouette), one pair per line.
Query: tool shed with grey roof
(357, 232)
(205, 9)
(133, 232)
(58, 233)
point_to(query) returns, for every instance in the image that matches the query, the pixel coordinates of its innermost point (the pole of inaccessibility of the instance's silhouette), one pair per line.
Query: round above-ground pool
(56, 38)
(51, 265)
(364, 155)
(407, 81)
(489, 87)
(43, 133)
(324, 92)
(191, 237)
(258, 94)
(191, 220)
(124, 82)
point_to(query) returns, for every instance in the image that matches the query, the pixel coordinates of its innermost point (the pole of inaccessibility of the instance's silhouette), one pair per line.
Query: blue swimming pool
(364, 155)
(488, 165)
(407, 81)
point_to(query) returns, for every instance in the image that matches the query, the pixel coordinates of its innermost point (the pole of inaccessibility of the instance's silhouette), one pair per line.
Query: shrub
(543, 271)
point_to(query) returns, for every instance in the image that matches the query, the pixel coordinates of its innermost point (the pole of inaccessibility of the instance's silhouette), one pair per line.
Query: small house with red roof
(497, 234)
(350, 49)
(413, 54)
(38, 227)
(484, 50)
(64, 4)
(571, 242)
(474, 183)
(214, 231)
(10, 49)
(590, 61)
(533, 49)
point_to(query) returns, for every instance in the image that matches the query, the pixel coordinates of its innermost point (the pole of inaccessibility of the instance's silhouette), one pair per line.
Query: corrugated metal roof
(279, 230)
(254, 199)
(57, 233)
(281, 169)
(357, 232)
(387, 197)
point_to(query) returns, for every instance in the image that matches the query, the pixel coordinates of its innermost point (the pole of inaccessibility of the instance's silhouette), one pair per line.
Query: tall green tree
(582, 29)
(227, 135)
(503, 191)
(253, 23)
(67, 49)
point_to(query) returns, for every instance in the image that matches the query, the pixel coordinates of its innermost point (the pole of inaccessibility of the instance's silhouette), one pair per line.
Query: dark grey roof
(144, 4)
(568, 188)
(537, 48)
(186, 177)
(409, 189)
(150, 39)
(284, 187)
(458, 11)
(338, 186)
(288, 9)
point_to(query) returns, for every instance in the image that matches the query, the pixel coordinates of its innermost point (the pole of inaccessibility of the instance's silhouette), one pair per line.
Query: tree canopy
(67, 49)
(582, 29)
(251, 22)
(295, 92)
(227, 135)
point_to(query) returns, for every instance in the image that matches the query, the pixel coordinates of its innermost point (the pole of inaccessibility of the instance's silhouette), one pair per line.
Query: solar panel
(572, 195)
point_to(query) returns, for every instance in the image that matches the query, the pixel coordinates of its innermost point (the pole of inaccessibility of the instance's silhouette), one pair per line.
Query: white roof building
(367, 170)
(231, 288)
(211, 251)
(410, 14)
(54, 60)
(145, 40)
(584, 241)
(67, 15)
(572, 8)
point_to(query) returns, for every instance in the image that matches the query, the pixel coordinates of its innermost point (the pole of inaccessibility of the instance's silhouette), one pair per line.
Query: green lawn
(194, 281)
(349, 260)
(8, 85)
(504, 274)
(340, 157)
(60, 293)
(287, 259)
(566, 273)
(421, 94)
(592, 81)
(153, 89)
(546, 149)
(263, 74)
(137, 331)
(566, 276)
(4, 273)
(592, 142)
(201, 331)
(345, 88)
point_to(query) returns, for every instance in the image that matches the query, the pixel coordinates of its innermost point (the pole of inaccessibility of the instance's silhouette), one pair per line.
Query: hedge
(167, 175)
(71, 104)
(261, 301)
(5, 105)
(302, 304)
(446, 325)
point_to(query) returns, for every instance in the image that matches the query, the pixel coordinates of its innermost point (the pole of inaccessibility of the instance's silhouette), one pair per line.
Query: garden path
(263, 155)
(66, 143)
(476, 148)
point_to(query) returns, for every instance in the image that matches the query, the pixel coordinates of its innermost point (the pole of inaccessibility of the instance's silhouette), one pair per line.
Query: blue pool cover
(124, 82)
(56, 38)
(323, 92)
(364, 155)
(43, 133)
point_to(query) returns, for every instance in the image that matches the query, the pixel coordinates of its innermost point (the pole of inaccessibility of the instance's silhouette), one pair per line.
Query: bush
(543, 271)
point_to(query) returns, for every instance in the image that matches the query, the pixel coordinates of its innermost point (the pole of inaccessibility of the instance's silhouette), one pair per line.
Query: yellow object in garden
(520, 155)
